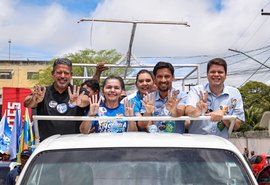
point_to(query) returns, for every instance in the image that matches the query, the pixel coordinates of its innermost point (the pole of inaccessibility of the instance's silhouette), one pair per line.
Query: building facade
(19, 73)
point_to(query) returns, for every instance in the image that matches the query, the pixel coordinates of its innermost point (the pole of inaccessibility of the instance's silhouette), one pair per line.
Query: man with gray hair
(59, 99)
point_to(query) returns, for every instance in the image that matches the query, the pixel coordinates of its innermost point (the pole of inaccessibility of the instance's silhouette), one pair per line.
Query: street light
(9, 42)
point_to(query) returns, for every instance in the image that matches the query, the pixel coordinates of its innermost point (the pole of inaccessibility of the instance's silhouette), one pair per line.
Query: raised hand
(38, 93)
(172, 101)
(202, 103)
(75, 98)
(129, 107)
(94, 105)
(148, 102)
(101, 67)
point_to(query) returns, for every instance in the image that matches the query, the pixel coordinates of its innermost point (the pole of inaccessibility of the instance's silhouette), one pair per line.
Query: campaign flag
(30, 141)
(5, 134)
(27, 137)
(85, 74)
(16, 133)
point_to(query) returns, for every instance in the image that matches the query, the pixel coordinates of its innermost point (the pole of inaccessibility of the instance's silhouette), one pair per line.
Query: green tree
(256, 98)
(86, 56)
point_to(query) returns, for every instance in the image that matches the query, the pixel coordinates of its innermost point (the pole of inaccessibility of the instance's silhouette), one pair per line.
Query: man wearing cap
(58, 99)
(14, 174)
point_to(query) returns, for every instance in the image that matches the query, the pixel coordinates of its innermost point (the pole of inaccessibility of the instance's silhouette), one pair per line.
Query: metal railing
(121, 118)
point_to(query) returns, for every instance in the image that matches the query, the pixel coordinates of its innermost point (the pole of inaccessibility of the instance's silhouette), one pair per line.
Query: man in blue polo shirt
(165, 101)
(216, 100)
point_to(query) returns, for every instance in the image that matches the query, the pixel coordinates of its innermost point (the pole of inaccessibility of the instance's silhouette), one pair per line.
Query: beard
(61, 84)
(164, 87)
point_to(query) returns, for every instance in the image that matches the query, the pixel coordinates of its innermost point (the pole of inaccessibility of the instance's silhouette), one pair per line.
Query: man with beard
(58, 99)
(165, 101)
(214, 99)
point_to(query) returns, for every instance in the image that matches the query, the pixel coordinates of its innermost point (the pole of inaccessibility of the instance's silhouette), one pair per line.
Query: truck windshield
(136, 166)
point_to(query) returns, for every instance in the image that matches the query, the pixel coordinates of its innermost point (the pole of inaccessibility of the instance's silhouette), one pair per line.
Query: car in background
(263, 176)
(258, 162)
(136, 158)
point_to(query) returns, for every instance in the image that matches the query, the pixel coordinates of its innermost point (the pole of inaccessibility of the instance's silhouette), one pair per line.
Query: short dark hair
(120, 79)
(144, 71)
(93, 84)
(217, 61)
(161, 65)
(64, 61)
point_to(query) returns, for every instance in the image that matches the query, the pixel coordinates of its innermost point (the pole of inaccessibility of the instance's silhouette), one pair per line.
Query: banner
(12, 98)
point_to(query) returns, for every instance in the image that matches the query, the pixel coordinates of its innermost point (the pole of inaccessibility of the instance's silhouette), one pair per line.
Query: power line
(249, 57)
(254, 72)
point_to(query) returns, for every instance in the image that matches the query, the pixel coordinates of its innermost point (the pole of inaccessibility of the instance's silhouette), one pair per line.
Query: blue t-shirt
(116, 126)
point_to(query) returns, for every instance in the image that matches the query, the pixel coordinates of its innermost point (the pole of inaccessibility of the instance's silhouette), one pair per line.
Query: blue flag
(5, 134)
(15, 137)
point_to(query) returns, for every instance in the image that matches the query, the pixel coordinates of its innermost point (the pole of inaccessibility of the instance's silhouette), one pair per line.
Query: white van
(136, 159)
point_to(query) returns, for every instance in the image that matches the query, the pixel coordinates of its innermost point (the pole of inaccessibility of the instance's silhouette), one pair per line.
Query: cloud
(51, 29)
(212, 31)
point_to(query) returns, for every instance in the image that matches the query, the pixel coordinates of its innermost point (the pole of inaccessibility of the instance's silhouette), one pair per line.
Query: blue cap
(26, 153)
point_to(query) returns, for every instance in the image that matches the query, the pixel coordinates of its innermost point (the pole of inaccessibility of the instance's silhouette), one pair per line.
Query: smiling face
(164, 79)
(112, 90)
(216, 76)
(144, 83)
(61, 76)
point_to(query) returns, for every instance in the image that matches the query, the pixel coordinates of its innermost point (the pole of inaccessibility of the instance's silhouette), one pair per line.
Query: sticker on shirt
(102, 111)
(167, 126)
(224, 108)
(62, 108)
(220, 125)
(166, 112)
(71, 105)
(53, 104)
(152, 129)
(234, 101)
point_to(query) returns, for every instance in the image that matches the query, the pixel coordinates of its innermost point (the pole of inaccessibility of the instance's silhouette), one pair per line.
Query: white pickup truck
(136, 159)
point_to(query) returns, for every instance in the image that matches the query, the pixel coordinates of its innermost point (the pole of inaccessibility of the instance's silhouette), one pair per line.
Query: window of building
(32, 75)
(6, 73)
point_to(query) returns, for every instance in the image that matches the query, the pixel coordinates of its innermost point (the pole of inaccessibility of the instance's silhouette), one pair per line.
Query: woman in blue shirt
(145, 84)
(112, 89)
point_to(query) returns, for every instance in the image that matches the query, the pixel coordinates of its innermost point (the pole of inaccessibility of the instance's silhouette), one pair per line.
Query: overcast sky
(43, 29)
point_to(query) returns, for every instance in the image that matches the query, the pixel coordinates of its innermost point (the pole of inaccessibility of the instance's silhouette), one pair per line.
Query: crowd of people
(155, 96)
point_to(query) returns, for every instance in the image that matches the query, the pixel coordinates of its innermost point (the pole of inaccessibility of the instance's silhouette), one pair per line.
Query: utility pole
(264, 13)
(9, 43)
